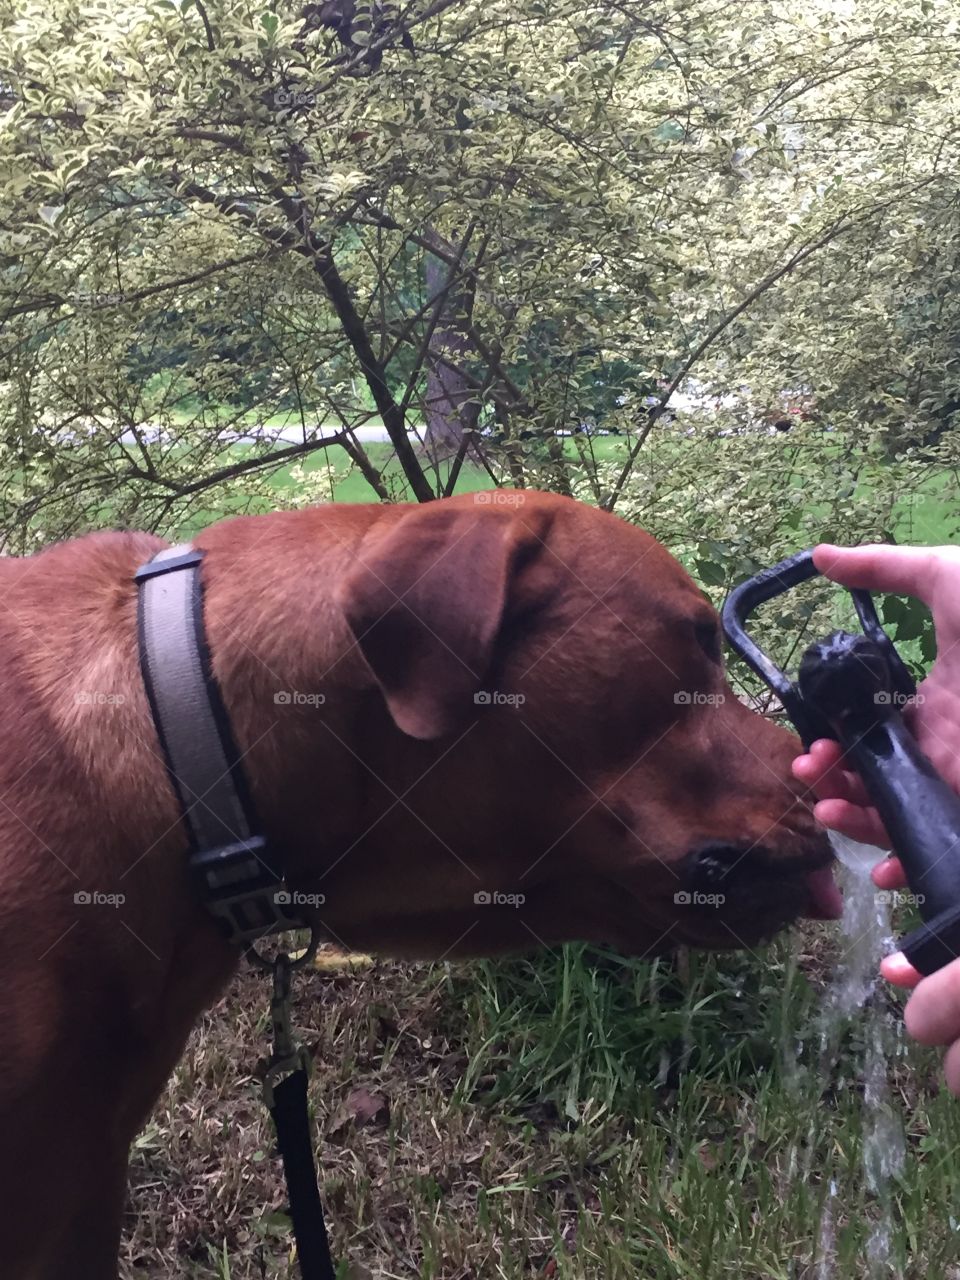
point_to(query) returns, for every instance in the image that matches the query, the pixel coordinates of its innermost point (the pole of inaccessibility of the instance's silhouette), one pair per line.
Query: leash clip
(287, 1056)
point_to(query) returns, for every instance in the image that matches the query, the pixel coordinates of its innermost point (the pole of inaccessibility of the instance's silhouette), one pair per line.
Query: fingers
(951, 1068)
(889, 874)
(881, 567)
(844, 804)
(932, 1015)
(852, 820)
(898, 970)
(821, 768)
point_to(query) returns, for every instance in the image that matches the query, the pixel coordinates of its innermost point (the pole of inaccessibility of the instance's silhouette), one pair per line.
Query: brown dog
(520, 696)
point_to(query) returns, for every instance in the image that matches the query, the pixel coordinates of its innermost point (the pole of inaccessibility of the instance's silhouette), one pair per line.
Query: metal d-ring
(269, 963)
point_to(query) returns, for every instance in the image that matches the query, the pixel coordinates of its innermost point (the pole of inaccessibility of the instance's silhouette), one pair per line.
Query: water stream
(854, 996)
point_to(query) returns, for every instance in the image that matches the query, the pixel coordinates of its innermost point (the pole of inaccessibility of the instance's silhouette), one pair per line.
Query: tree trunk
(447, 403)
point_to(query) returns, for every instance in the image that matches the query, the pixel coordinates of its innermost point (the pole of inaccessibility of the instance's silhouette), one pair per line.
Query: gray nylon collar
(237, 873)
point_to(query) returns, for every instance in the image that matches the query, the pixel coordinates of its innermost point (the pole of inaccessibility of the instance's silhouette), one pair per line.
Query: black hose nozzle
(853, 689)
(846, 680)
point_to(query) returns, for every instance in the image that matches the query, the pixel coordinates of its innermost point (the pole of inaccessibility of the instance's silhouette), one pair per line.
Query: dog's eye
(708, 638)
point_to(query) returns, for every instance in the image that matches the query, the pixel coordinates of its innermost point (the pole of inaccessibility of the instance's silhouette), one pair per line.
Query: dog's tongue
(826, 900)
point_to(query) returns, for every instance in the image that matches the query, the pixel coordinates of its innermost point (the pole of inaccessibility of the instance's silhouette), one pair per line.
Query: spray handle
(850, 688)
(768, 584)
(847, 680)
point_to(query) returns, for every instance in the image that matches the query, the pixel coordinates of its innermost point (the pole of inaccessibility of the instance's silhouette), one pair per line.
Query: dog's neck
(89, 702)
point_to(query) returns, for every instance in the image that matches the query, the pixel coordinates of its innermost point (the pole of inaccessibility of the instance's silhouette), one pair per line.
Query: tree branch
(57, 300)
(392, 414)
(300, 239)
(211, 43)
(240, 468)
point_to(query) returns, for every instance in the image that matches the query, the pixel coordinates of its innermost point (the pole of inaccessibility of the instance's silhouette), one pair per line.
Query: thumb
(881, 567)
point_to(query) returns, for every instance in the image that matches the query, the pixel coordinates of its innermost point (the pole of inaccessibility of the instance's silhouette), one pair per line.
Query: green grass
(699, 1105)
(347, 484)
(350, 485)
(576, 1116)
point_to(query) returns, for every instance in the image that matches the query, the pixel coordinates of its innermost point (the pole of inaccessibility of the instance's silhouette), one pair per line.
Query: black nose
(716, 864)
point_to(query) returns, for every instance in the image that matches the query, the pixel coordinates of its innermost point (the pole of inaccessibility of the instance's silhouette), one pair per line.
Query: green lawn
(574, 1116)
(350, 485)
(928, 516)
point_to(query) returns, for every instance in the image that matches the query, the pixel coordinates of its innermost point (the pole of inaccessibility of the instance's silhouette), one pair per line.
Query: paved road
(282, 435)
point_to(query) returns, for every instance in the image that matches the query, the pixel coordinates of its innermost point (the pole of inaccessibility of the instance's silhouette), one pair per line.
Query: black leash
(285, 1076)
(239, 875)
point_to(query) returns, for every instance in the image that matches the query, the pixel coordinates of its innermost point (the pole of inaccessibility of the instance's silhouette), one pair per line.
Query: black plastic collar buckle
(242, 890)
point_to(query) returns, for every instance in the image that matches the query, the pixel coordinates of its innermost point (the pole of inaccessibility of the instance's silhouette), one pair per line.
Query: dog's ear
(426, 602)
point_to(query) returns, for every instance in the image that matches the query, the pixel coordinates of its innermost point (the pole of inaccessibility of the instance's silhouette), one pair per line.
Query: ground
(574, 1116)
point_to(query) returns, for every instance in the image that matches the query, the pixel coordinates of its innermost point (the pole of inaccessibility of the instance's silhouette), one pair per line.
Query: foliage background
(233, 233)
(692, 261)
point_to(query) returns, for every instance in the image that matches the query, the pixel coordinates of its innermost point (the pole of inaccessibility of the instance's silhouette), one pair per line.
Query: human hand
(932, 574)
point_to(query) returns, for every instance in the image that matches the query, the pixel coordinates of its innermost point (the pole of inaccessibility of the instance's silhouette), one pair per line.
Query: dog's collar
(237, 872)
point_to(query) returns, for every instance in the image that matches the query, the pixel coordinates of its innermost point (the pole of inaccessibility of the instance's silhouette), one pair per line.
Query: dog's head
(548, 746)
